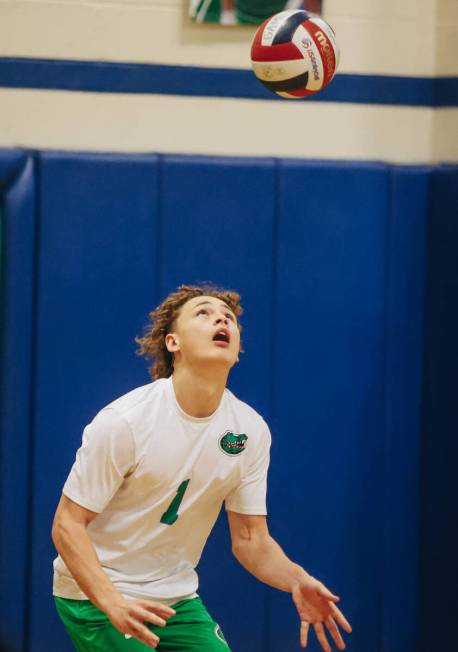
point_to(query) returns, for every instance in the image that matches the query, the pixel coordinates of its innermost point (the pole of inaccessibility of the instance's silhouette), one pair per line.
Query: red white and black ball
(295, 54)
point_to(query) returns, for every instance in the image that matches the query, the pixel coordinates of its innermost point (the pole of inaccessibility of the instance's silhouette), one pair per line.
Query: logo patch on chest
(232, 444)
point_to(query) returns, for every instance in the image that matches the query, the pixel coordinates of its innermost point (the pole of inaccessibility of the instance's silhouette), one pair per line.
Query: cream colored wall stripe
(393, 37)
(153, 123)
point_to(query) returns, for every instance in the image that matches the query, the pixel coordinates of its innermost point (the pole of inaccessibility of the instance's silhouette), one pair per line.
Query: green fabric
(192, 629)
(248, 12)
(254, 12)
(210, 13)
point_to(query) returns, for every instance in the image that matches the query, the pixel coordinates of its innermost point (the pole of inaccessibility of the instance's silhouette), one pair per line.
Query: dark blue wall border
(109, 77)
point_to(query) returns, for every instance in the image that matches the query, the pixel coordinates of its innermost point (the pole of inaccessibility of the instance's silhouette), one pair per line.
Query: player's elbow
(70, 520)
(57, 530)
(62, 529)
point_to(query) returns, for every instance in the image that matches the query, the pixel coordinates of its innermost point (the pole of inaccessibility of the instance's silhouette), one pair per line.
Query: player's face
(206, 330)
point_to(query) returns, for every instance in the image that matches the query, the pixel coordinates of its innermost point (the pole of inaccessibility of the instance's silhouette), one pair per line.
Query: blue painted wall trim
(112, 77)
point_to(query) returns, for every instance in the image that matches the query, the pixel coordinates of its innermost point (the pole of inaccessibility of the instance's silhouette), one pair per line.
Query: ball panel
(326, 50)
(303, 40)
(297, 94)
(302, 92)
(286, 30)
(279, 70)
(279, 26)
(283, 52)
(289, 96)
(327, 29)
(288, 85)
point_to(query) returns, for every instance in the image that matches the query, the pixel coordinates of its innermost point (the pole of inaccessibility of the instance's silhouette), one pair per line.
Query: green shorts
(191, 629)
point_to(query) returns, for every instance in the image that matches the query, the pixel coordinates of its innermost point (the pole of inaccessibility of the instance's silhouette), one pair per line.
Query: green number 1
(170, 515)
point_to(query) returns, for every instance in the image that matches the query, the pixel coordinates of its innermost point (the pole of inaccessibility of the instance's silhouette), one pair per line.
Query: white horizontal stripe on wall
(447, 47)
(139, 123)
(394, 37)
(445, 136)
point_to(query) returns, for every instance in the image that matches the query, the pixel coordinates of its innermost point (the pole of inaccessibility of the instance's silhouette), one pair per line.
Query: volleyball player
(146, 488)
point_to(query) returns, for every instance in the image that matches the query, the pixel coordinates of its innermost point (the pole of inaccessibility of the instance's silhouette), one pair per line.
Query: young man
(146, 488)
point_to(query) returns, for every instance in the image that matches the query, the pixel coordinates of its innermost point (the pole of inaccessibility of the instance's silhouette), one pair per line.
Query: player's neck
(198, 392)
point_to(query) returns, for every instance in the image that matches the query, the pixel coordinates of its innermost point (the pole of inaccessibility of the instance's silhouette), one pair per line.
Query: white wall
(403, 37)
(447, 37)
(394, 37)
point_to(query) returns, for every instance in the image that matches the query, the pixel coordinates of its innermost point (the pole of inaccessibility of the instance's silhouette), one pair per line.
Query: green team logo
(232, 444)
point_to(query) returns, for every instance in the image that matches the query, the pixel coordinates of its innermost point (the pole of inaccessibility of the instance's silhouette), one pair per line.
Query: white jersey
(157, 478)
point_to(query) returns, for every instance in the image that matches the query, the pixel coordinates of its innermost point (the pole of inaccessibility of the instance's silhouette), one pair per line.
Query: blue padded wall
(96, 274)
(330, 261)
(327, 479)
(208, 233)
(438, 531)
(405, 281)
(17, 198)
(220, 227)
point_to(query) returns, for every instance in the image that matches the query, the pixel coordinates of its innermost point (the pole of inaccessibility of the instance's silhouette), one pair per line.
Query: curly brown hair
(162, 318)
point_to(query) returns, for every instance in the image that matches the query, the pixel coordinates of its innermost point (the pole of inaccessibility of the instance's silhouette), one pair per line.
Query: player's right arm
(69, 534)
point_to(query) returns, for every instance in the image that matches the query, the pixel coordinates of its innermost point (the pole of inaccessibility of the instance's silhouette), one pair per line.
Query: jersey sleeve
(102, 462)
(249, 497)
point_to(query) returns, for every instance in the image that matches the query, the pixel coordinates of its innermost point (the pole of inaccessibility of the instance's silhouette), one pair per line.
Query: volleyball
(295, 54)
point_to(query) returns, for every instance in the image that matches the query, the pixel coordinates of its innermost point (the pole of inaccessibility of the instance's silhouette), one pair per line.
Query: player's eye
(202, 311)
(230, 315)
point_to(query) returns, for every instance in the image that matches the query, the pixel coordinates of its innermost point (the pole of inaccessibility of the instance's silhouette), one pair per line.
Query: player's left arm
(261, 555)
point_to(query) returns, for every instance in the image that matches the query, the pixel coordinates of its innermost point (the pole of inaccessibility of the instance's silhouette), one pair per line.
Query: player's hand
(129, 616)
(316, 606)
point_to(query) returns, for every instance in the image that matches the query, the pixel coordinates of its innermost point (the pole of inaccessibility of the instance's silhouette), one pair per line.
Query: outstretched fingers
(142, 633)
(304, 633)
(335, 633)
(145, 611)
(321, 636)
(157, 608)
(340, 618)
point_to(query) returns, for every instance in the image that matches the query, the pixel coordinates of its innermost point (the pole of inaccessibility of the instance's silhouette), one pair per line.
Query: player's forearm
(76, 549)
(264, 559)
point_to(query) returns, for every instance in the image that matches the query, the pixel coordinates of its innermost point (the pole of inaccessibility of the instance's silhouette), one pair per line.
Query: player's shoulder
(246, 412)
(136, 400)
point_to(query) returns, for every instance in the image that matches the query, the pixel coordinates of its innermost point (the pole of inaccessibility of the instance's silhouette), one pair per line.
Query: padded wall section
(405, 261)
(218, 225)
(97, 262)
(17, 198)
(329, 260)
(327, 475)
(438, 533)
(11, 163)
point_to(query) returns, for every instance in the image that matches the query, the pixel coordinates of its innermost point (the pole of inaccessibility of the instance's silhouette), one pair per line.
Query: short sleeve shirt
(157, 479)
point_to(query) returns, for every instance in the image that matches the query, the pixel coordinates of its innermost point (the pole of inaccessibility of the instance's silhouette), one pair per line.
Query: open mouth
(222, 336)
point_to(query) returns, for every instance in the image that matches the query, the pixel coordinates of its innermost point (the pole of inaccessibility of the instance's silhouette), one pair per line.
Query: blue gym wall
(332, 261)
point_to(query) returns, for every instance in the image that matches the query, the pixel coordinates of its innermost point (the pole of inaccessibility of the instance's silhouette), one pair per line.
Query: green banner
(245, 12)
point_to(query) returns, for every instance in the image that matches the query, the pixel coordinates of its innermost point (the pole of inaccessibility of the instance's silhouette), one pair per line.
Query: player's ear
(172, 343)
